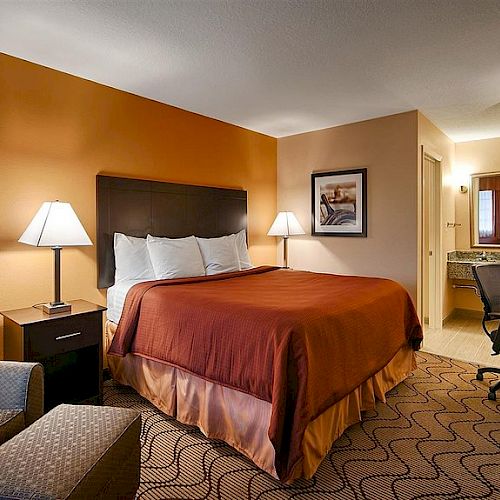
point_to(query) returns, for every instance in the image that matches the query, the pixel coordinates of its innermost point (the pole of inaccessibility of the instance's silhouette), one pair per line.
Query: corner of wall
(436, 143)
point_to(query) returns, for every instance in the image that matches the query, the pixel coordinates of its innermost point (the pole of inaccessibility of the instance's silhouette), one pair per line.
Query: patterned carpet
(438, 436)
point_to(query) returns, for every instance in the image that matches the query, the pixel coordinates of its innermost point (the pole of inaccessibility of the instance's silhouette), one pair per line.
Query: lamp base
(54, 308)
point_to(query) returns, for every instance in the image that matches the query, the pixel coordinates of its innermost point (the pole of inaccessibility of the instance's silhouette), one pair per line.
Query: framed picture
(339, 203)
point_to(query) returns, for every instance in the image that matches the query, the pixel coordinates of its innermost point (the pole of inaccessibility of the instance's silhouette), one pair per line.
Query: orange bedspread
(299, 340)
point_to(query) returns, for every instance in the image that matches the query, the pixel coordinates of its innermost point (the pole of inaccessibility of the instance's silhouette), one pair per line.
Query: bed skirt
(242, 420)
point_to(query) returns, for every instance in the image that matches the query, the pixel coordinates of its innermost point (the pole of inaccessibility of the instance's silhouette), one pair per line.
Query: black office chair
(488, 281)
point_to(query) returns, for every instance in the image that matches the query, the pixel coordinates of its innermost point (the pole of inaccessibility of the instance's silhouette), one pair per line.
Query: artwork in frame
(339, 203)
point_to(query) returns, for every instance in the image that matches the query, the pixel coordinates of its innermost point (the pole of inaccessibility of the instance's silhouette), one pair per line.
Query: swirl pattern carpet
(438, 436)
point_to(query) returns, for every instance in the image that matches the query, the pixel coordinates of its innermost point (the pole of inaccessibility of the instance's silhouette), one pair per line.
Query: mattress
(116, 298)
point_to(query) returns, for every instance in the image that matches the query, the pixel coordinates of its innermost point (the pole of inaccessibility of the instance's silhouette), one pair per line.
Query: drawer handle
(62, 337)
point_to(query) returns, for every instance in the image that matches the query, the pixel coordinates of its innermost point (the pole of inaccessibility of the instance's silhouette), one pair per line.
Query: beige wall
(58, 131)
(435, 142)
(471, 158)
(387, 147)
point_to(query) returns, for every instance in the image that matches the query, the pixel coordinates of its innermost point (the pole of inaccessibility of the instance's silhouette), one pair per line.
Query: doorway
(432, 259)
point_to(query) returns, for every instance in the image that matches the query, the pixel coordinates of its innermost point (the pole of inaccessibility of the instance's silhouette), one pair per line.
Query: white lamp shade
(285, 224)
(55, 225)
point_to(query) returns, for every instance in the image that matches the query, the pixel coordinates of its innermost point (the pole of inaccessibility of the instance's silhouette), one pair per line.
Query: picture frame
(339, 204)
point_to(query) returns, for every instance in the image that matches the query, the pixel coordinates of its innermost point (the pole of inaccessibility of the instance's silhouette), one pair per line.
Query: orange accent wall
(58, 131)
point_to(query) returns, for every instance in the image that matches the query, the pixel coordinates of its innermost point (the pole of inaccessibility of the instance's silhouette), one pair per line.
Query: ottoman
(74, 451)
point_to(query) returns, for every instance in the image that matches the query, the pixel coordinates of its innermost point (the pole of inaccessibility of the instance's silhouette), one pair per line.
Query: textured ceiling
(279, 66)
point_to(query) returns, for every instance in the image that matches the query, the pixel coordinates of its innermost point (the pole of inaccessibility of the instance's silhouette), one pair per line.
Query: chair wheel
(479, 376)
(492, 396)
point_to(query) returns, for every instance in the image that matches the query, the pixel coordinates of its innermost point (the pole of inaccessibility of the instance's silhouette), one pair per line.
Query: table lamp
(285, 224)
(55, 225)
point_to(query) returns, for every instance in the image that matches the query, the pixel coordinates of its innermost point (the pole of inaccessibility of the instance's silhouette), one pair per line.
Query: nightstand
(69, 346)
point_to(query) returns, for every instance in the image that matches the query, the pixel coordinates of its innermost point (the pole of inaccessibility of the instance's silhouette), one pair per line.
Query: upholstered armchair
(21, 396)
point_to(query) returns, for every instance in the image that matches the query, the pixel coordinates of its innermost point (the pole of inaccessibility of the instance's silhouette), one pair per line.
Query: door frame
(436, 277)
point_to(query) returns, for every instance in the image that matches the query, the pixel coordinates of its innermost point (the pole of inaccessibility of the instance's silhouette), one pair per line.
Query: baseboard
(463, 313)
(449, 317)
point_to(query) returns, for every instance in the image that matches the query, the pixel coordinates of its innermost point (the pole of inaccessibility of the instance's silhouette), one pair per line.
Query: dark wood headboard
(139, 207)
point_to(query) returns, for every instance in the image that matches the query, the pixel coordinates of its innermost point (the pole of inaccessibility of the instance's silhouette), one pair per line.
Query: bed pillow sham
(132, 260)
(220, 255)
(241, 246)
(175, 257)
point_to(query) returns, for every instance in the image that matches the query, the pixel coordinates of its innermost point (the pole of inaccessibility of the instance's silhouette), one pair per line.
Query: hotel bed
(277, 363)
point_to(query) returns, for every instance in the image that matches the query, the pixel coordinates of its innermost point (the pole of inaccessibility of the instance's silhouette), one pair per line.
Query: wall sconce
(464, 189)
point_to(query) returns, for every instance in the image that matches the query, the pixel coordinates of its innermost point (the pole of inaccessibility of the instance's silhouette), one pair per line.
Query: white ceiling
(279, 67)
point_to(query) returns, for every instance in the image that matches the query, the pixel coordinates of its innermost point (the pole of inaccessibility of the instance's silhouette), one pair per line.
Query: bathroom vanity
(460, 262)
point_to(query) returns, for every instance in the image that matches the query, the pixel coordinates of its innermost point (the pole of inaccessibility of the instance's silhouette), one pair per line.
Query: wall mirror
(485, 210)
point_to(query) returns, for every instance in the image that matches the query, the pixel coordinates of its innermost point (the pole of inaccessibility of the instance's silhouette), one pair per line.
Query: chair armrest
(22, 388)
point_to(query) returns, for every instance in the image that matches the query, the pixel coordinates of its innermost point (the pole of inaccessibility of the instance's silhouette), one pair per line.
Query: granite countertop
(460, 262)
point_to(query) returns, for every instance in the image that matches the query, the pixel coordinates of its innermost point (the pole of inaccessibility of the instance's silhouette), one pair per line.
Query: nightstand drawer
(63, 335)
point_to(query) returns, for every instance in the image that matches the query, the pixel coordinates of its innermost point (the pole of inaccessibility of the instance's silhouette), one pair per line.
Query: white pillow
(132, 260)
(241, 246)
(175, 257)
(219, 254)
